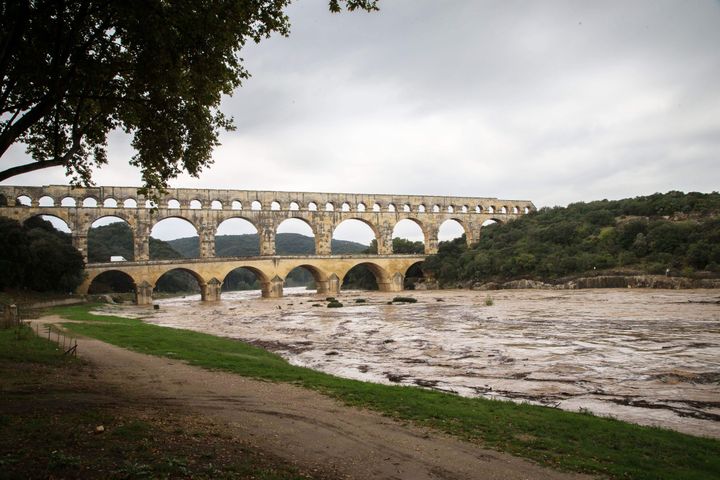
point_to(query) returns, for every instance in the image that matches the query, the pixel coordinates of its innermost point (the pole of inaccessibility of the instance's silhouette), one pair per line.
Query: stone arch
(445, 236)
(129, 203)
(256, 205)
(59, 220)
(68, 202)
(300, 224)
(407, 232)
(406, 208)
(173, 203)
(112, 281)
(413, 275)
(236, 205)
(46, 201)
(421, 208)
(391, 207)
(361, 207)
(515, 209)
(170, 282)
(503, 209)
(329, 207)
(381, 276)
(312, 206)
(109, 203)
(274, 206)
(319, 277)
(196, 204)
(234, 226)
(436, 208)
(345, 207)
(216, 205)
(294, 206)
(161, 228)
(376, 207)
(110, 241)
(90, 202)
(373, 228)
(269, 287)
(23, 200)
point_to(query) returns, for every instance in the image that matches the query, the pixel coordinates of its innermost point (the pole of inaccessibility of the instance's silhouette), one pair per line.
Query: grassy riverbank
(51, 407)
(560, 439)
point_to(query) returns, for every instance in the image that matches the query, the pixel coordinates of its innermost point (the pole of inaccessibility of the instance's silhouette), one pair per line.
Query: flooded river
(645, 356)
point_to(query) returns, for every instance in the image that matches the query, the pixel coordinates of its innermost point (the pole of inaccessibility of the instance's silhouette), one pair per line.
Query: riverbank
(61, 417)
(564, 440)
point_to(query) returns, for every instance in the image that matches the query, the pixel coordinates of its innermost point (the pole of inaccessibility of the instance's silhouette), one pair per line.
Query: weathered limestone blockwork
(207, 209)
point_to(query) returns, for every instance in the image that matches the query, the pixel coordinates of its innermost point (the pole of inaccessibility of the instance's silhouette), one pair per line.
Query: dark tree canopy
(74, 70)
(37, 257)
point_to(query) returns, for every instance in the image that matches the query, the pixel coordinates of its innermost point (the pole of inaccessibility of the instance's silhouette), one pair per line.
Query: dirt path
(304, 427)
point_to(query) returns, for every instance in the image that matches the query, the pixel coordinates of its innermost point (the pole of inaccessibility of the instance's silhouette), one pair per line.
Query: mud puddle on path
(646, 356)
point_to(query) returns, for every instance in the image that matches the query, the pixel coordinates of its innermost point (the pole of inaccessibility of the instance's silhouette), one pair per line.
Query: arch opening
(329, 207)
(376, 207)
(216, 205)
(361, 207)
(115, 282)
(89, 202)
(408, 237)
(237, 237)
(275, 206)
(46, 201)
(243, 278)
(255, 205)
(294, 206)
(195, 204)
(57, 223)
(450, 229)
(178, 281)
(172, 238)
(363, 276)
(110, 239)
(421, 208)
(302, 278)
(354, 236)
(294, 237)
(173, 203)
(130, 203)
(110, 203)
(312, 206)
(235, 205)
(68, 202)
(414, 277)
(23, 200)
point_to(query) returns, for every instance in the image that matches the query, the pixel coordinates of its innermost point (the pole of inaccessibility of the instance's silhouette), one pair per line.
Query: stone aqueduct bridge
(207, 209)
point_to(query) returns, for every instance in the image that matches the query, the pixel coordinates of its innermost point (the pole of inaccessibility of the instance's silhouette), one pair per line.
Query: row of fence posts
(67, 344)
(11, 318)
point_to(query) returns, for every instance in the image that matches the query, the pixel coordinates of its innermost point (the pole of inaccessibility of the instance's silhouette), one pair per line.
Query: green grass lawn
(564, 440)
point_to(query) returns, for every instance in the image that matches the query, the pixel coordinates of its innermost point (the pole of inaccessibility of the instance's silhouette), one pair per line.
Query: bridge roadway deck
(328, 272)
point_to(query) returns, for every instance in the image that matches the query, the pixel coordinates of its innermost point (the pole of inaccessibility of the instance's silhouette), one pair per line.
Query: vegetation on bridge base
(565, 440)
(673, 233)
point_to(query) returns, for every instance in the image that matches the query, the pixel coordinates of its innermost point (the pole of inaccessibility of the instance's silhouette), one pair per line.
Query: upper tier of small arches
(124, 197)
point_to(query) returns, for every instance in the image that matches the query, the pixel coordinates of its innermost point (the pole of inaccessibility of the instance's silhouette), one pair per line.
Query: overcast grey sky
(552, 101)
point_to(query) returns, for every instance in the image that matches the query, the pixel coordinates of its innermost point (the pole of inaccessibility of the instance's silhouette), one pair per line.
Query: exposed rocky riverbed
(645, 356)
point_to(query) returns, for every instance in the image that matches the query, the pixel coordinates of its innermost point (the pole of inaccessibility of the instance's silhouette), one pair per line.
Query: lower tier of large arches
(328, 273)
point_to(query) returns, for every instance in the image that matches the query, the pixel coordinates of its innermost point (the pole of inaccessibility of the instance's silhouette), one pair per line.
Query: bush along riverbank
(564, 440)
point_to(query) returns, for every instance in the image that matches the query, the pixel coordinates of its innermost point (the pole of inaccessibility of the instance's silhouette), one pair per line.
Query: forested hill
(116, 239)
(651, 234)
(249, 245)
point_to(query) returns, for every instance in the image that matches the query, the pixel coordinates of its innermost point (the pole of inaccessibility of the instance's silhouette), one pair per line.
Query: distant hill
(249, 245)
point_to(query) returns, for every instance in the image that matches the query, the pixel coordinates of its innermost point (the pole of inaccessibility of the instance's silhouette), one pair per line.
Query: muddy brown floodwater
(646, 356)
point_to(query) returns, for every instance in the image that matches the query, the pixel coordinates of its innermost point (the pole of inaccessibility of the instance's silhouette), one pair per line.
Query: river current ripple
(645, 356)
